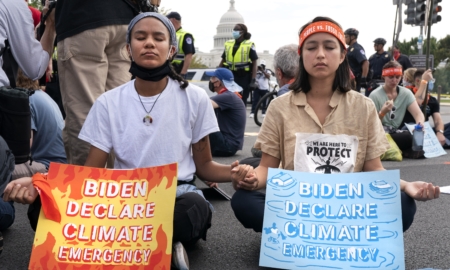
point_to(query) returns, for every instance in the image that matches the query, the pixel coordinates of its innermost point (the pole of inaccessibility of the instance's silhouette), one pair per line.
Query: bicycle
(263, 103)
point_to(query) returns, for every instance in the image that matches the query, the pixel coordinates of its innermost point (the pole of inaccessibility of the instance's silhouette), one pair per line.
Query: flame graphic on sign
(67, 183)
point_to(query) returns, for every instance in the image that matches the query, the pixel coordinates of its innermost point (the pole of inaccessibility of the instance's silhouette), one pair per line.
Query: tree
(410, 47)
(36, 4)
(197, 63)
(442, 77)
(443, 49)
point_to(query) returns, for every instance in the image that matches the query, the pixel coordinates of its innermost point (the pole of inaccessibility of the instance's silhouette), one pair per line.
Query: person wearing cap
(262, 82)
(186, 49)
(156, 118)
(401, 58)
(392, 101)
(378, 59)
(230, 112)
(376, 63)
(357, 59)
(319, 105)
(240, 57)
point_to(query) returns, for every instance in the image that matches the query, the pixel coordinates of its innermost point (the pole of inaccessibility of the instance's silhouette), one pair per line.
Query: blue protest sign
(332, 221)
(431, 145)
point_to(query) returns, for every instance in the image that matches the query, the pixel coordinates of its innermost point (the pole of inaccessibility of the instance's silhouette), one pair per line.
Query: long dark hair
(342, 79)
(246, 34)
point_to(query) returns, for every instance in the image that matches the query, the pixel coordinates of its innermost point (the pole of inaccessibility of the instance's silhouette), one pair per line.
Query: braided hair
(175, 76)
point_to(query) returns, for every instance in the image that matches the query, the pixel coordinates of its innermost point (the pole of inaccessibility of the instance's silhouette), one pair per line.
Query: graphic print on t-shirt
(325, 153)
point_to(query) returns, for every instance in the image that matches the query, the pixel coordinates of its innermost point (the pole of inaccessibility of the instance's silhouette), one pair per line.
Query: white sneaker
(251, 115)
(179, 257)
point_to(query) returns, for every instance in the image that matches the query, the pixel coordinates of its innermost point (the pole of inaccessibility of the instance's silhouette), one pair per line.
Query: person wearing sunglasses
(392, 102)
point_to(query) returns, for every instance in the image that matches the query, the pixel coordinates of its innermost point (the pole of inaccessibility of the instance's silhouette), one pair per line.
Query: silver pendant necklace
(147, 120)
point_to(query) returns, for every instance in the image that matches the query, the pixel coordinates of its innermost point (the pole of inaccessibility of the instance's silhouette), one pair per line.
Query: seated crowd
(313, 99)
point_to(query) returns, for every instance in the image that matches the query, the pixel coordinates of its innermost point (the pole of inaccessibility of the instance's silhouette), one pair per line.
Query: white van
(199, 78)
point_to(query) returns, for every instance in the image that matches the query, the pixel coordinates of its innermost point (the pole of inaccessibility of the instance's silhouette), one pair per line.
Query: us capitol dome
(224, 33)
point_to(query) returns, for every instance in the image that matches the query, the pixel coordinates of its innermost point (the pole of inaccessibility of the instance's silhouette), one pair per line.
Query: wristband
(424, 82)
(381, 114)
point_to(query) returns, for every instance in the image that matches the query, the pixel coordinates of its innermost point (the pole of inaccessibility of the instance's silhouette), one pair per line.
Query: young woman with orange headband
(320, 103)
(392, 101)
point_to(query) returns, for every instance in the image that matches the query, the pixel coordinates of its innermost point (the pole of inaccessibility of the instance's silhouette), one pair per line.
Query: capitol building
(224, 29)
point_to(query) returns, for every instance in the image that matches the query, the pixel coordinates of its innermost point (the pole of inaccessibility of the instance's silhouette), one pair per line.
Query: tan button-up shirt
(352, 114)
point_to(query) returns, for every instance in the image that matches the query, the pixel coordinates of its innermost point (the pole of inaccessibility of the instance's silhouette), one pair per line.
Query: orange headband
(397, 71)
(321, 27)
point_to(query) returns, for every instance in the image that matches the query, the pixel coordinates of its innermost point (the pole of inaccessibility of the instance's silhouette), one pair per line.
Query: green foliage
(408, 47)
(197, 63)
(36, 4)
(439, 48)
(443, 49)
(442, 77)
(163, 11)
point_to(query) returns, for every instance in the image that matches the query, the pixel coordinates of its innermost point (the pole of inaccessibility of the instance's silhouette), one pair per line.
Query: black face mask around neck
(150, 74)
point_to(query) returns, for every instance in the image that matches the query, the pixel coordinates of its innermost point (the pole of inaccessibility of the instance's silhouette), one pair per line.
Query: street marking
(251, 133)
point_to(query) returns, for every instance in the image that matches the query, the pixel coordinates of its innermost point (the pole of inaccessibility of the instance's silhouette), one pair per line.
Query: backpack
(15, 121)
(6, 164)
(10, 65)
(15, 114)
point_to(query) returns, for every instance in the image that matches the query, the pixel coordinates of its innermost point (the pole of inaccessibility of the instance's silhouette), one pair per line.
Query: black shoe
(414, 154)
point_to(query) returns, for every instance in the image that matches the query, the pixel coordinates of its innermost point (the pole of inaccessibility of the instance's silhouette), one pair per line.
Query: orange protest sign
(108, 219)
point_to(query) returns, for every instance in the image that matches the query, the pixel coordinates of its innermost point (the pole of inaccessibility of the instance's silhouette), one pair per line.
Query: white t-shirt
(263, 82)
(180, 119)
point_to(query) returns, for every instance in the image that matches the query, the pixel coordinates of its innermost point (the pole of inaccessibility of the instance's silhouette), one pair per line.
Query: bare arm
(365, 68)
(415, 111)
(221, 62)
(187, 63)
(255, 69)
(207, 169)
(257, 178)
(422, 89)
(96, 158)
(418, 190)
(48, 38)
(439, 125)
(214, 104)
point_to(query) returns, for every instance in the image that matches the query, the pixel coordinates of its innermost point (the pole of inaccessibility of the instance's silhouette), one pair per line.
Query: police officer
(378, 59)
(186, 47)
(356, 57)
(240, 57)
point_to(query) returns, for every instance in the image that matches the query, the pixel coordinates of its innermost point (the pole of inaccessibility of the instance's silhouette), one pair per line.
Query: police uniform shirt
(188, 48)
(355, 56)
(376, 63)
(253, 55)
(188, 44)
(404, 61)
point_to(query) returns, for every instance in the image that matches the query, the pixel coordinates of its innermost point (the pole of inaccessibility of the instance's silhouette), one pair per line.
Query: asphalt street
(230, 246)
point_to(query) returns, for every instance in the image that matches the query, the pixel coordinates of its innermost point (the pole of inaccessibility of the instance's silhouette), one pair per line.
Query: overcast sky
(276, 23)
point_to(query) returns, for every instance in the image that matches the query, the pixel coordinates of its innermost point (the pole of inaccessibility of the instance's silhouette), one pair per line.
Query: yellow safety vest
(179, 58)
(241, 60)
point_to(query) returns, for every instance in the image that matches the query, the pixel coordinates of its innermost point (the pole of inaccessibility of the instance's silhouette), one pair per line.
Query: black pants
(219, 146)
(192, 218)
(358, 84)
(248, 207)
(403, 140)
(243, 79)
